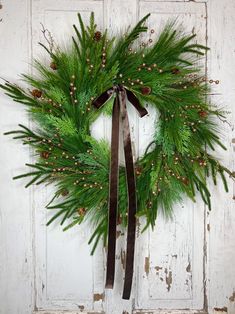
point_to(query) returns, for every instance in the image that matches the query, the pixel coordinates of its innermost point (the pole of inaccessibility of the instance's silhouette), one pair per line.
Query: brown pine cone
(97, 36)
(175, 71)
(146, 90)
(138, 170)
(53, 66)
(36, 93)
(203, 114)
(185, 180)
(64, 192)
(81, 211)
(45, 154)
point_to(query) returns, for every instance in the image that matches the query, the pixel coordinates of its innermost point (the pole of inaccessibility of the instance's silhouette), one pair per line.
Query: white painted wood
(16, 276)
(221, 220)
(170, 272)
(63, 259)
(184, 266)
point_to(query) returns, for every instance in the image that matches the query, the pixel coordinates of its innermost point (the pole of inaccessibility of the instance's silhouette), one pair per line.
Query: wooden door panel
(170, 263)
(182, 266)
(67, 277)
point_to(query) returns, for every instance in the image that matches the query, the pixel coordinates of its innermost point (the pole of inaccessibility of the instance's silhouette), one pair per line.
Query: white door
(183, 266)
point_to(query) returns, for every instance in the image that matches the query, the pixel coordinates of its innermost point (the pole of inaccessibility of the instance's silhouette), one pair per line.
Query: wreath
(63, 100)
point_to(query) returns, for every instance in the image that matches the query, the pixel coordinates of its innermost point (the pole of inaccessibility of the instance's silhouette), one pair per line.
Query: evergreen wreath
(59, 102)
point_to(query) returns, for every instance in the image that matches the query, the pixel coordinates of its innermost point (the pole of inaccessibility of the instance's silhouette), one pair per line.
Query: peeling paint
(188, 268)
(146, 265)
(174, 255)
(141, 312)
(125, 312)
(144, 312)
(205, 298)
(232, 298)
(137, 228)
(81, 307)
(221, 309)
(98, 297)
(123, 259)
(158, 268)
(208, 227)
(1, 6)
(168, 279)
(118, 234)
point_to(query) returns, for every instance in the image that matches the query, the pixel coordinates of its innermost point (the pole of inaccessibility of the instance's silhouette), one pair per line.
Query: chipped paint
(123, 258)
(146, 265)
(232, 298)
(221, 309)
(1, 6)
(158, 268)
(208, 227)
(215, 286)
(81, 307)
(118, 234)
(188, 268)
(98, 297)
(168, 279)
(144, 312)
(205, 297)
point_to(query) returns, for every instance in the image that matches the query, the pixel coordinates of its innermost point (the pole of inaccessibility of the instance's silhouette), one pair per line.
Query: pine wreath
(161, 74)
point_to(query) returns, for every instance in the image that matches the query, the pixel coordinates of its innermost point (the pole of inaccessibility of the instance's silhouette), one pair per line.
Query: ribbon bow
(119, 110)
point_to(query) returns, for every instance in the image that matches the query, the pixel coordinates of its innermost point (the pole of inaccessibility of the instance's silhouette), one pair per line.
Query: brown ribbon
(119, 110)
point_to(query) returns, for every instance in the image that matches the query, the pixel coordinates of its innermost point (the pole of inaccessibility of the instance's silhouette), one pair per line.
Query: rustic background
(185, 265)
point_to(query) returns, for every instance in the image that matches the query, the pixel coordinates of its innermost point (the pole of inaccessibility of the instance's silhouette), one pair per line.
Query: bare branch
(48, 37)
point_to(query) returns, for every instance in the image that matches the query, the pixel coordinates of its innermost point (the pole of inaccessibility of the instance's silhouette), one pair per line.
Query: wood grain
(184, 266)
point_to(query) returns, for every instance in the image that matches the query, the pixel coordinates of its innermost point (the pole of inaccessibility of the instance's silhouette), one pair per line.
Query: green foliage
(60, 103)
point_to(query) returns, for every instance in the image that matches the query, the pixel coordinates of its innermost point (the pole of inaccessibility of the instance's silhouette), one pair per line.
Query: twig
(48, 37)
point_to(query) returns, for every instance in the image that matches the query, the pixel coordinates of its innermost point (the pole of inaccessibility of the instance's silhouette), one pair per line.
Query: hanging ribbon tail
(135, 102)
(131, 187)
(113, 183)
(119, 109)
(113, 196)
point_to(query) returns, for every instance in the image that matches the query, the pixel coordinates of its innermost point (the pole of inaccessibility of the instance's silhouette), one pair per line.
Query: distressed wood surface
(184, 266)
(16, 267)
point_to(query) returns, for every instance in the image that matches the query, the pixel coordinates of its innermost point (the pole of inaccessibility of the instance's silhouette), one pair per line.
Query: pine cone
(138, 170)
(53, 66)
(64, 192)
(146, 90)
(203, 114)
(81, 211)
(185, 180)
(175, 71)
(36, 93)
(45, 154)
(97, 36)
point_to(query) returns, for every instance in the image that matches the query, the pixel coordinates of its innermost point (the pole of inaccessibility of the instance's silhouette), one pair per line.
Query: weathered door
(185, 265)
